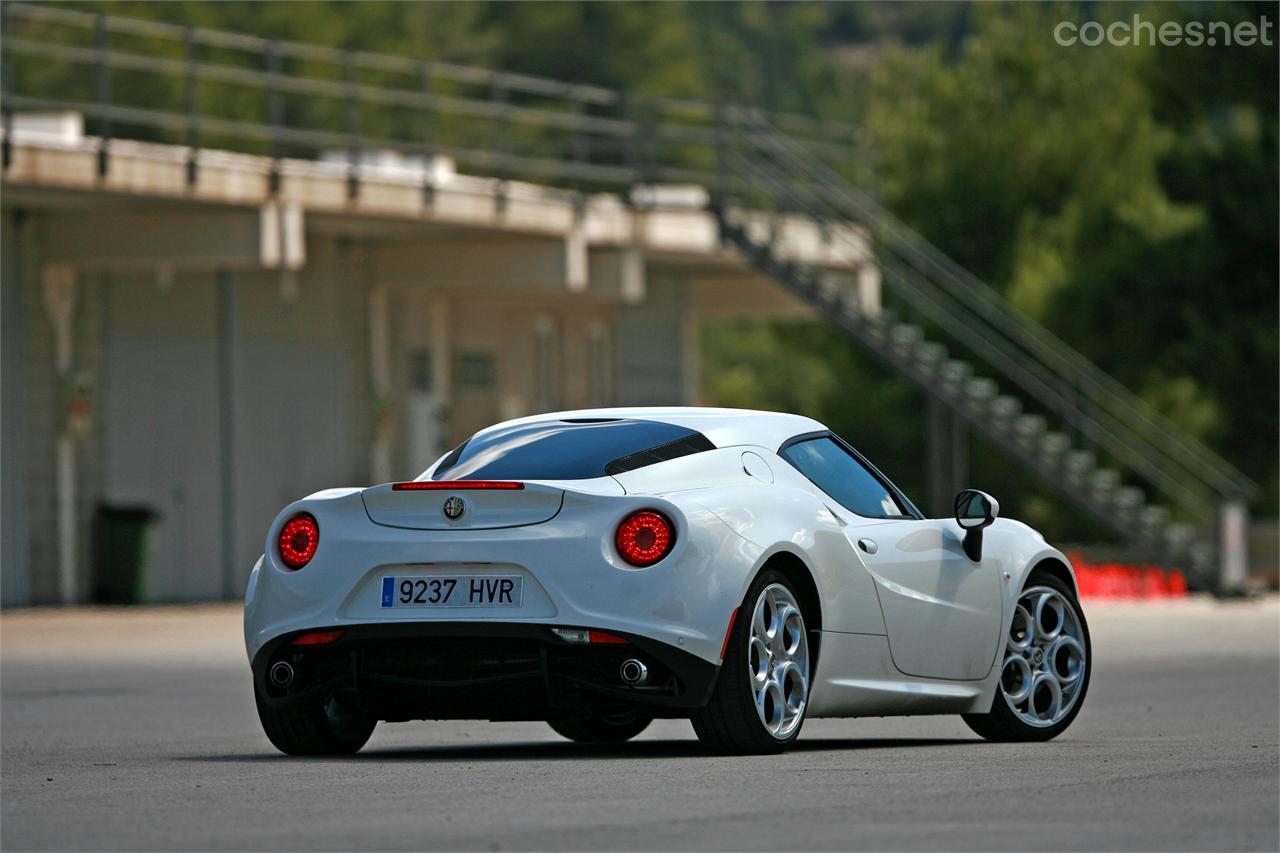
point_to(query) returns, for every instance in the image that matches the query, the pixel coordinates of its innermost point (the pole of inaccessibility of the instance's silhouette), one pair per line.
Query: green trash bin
(120, 535)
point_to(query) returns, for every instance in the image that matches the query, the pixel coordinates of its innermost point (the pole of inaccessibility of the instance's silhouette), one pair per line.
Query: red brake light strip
(455, 485)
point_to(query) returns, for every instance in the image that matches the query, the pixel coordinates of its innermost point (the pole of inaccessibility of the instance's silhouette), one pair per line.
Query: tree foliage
(1125, 197)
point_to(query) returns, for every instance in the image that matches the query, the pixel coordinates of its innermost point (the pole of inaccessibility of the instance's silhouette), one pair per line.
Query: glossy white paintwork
(941, 610)
(913, 628)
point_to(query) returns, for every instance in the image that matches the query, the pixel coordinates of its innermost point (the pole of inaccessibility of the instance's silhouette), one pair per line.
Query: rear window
(569, 450)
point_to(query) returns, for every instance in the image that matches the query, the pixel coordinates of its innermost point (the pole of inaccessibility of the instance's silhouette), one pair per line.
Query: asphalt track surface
(136, 730)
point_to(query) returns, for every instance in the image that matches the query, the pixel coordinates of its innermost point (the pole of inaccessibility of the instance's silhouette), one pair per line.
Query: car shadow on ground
(565, 751)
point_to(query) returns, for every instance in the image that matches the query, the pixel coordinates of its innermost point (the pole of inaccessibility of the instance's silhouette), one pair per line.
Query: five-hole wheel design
(778, 660)
(1045, 662)
(1045, 658)
(762, 692)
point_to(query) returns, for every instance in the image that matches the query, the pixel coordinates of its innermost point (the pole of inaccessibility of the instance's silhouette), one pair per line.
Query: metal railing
(775, 173)
(208, 88)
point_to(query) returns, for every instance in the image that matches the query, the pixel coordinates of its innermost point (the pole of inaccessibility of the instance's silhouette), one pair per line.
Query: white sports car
(598, 569)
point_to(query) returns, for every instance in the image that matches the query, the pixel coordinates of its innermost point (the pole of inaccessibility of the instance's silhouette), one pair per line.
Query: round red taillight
(299, 539)
(644, 538)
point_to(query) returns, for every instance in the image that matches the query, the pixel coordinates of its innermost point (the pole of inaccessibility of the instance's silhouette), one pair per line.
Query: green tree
(1122, 196)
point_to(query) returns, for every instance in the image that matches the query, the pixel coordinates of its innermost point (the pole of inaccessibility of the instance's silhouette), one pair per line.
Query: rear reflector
(588, 635)
(724, 647)
(454, 485)
(318, 638)
(573, 635)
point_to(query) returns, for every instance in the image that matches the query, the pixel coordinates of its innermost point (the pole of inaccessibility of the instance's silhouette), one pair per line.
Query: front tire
(608, 728)
(762, 692)
(317, 727)
(1044, 675)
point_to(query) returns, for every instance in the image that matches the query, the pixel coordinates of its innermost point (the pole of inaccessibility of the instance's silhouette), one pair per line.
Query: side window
(831, 468)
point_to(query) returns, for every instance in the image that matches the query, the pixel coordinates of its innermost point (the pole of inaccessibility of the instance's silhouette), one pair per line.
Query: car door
(941, 610)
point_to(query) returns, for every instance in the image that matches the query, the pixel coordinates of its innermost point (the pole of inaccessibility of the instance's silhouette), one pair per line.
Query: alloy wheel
(1045, 658)
(778, 661)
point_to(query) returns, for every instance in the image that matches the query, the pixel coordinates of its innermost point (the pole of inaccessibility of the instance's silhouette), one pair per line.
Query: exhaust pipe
(633, 671)
(281, 674)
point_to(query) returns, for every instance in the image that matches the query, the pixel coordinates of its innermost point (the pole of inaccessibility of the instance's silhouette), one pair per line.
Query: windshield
(569, 450)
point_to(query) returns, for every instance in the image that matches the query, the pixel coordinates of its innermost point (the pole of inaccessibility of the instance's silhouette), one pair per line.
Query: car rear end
(494, 598)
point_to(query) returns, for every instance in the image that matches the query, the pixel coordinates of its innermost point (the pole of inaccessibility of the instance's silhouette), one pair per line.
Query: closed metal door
(161, 426)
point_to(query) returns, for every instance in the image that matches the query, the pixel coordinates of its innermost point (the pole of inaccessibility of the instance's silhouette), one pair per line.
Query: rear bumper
(495, 671)
(572, 574)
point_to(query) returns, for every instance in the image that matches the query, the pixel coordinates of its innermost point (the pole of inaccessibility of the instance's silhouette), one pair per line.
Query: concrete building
(214, 351)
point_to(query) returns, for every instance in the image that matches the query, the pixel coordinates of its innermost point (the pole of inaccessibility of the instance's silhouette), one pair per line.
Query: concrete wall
(160, 424)
(301, 392)
(225, 399)
(651, 346)
(15, 586)
(214, 390)
(506, 356)
(158, 357)
(220, 394)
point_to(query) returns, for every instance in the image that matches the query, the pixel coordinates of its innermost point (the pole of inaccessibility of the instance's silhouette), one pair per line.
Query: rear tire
(1049, 663)
(317, 727)
(762, 691)
(611, 728)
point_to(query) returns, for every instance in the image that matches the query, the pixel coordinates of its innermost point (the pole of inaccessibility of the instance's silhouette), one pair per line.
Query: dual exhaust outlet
(632, 672)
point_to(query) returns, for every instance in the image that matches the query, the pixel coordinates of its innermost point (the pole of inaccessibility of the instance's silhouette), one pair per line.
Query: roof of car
(723, 427)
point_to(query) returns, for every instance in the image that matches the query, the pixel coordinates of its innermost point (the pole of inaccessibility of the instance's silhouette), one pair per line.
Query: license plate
(452, 591)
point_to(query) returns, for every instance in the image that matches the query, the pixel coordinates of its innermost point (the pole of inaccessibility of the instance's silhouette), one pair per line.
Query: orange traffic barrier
(1127, 580)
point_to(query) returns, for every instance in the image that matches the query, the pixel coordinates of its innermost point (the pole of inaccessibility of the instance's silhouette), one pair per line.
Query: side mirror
(974, 511)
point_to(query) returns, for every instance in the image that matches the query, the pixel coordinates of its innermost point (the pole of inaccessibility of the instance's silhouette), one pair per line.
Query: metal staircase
(966, 347)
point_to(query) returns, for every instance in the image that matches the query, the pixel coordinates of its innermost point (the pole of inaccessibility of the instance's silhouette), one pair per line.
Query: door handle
(868, 545)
